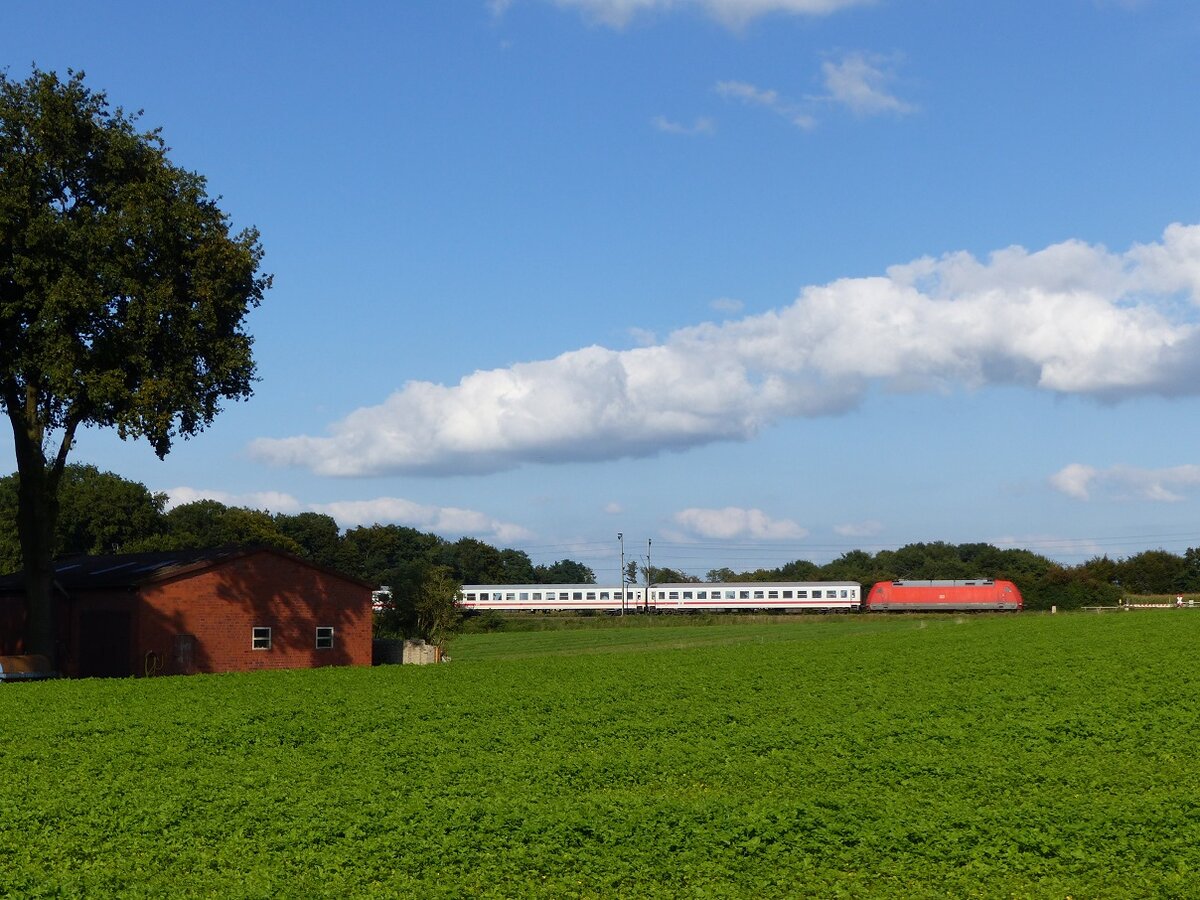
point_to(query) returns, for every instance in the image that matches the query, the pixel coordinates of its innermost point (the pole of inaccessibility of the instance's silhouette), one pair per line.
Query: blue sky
(757, 280)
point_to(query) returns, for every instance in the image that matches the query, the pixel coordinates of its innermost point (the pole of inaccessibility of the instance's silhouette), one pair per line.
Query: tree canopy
(123, 296)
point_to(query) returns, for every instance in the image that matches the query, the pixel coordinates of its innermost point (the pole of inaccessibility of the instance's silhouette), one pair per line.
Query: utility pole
(649, 543)
(621, 540)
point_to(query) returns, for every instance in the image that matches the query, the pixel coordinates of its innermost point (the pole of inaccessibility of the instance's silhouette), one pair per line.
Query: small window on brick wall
(260, 638)
(325, 637)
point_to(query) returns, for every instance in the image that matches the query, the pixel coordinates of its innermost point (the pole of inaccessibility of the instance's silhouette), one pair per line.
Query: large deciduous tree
(99, 513)
(123, 297)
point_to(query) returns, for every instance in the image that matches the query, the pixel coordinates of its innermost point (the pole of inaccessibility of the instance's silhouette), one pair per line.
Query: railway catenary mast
(621, 541)
(649, 568)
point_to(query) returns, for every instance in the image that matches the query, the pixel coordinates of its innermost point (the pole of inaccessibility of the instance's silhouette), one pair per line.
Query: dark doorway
(104, 644)
(184, 654)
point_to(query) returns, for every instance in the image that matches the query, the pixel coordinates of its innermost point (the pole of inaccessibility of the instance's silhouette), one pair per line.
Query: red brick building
(188, 611)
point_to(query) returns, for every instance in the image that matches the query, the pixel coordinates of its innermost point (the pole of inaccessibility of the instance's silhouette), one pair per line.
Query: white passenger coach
(756, 595)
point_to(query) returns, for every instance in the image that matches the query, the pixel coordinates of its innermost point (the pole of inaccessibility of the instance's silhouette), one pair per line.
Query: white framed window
(260, 638)
(324, 637)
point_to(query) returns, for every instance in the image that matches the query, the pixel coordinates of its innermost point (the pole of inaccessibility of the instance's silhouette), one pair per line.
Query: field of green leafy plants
(855, 756)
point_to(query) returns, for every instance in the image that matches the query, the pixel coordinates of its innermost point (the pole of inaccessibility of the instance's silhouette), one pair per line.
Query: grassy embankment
(991, 756)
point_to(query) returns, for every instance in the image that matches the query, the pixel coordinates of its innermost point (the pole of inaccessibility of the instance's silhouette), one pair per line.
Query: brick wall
(219, 607)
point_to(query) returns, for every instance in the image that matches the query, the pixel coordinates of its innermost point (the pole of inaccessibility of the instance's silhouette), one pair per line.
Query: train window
(729, 595)
(537, 595)
(758, 595)
(801, 595)
(787, 595)
(687, 595)
(843, 594)
(772, 595)
(524, 595)
(591, 595)
(817, 594)
(470, 598)
(673, 595)
(744, 595)
(510, 596)
(578, 595)
(497, 596)
(701, 595)
(604, 595)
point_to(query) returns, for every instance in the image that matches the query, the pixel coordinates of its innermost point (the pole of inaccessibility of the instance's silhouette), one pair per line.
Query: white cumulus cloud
(443, 520)
(732, 523)
(860, 82)
(1072, 318)
(732, 13)
(699, 126)
(272, 501)
(1168, 485)
(726, 305)
(752, 95)
(1074, 480)
(869, 528)
(446, 520)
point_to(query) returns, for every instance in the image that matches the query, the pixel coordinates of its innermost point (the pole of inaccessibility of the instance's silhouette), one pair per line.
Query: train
(758, 596)
(952, 596)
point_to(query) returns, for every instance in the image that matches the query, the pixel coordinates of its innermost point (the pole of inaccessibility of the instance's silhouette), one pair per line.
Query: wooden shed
(190, 611)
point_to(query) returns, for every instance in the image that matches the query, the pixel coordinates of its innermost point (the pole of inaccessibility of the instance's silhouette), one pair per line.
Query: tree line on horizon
(103, 513)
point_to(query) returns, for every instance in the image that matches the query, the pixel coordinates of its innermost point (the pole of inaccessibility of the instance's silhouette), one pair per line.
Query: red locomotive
(932, 596)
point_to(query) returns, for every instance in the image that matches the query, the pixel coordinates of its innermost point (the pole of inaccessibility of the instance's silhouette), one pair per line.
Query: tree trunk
(37, 515)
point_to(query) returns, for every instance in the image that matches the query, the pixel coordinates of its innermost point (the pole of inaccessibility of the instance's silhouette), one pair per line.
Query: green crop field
(854, 756)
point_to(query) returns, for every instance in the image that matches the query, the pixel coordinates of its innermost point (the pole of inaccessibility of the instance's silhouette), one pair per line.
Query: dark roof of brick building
(130, 570)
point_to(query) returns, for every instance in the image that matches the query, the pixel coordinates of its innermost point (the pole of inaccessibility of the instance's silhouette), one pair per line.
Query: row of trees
(1043, 582)
(101, 512)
